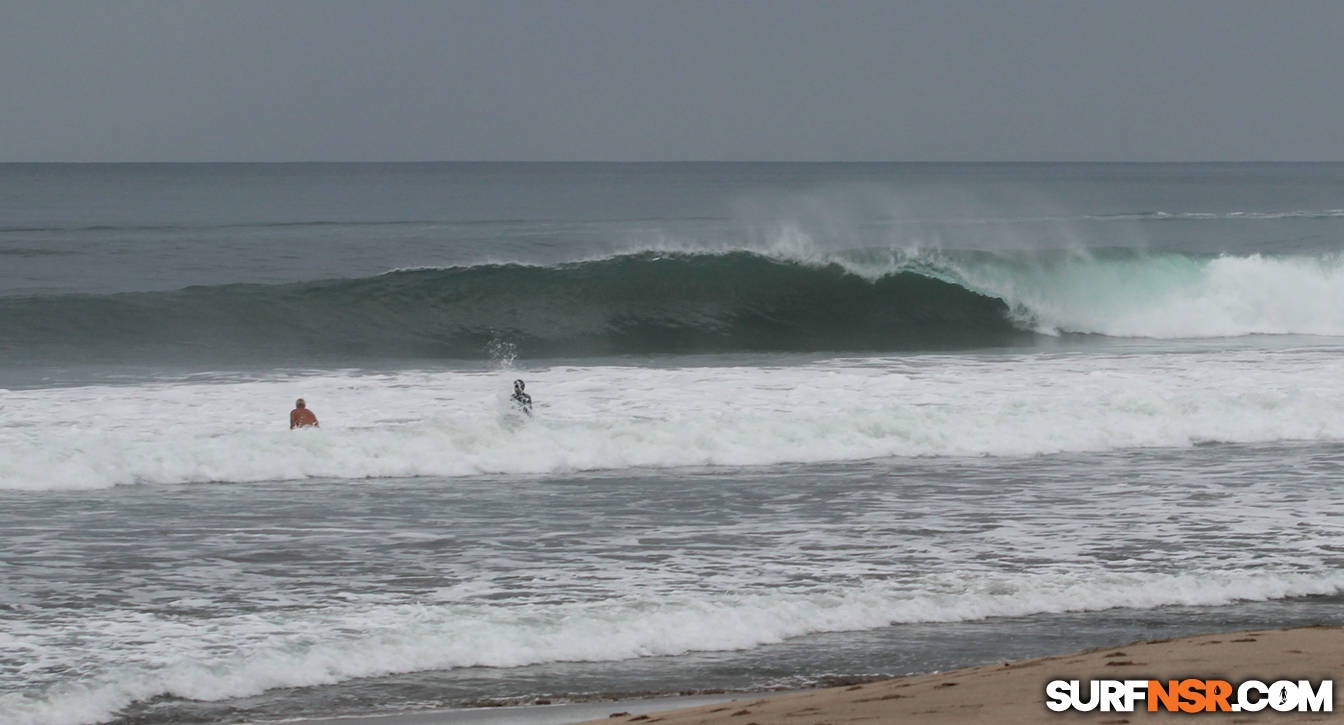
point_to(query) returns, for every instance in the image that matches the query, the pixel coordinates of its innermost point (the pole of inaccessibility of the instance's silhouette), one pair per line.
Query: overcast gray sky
(629, 80)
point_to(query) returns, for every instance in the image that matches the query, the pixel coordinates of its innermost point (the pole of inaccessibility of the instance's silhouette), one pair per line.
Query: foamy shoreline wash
(449, 423)
(308, 584)
(283, 651)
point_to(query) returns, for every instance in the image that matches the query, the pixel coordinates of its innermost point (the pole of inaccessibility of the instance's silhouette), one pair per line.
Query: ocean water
(794, 424)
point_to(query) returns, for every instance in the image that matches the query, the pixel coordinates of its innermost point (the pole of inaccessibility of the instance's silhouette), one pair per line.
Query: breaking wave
(653, 302)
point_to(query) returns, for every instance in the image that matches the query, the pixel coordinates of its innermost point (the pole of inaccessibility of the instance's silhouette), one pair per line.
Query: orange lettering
(1165, 695)
(1218, 690)
(1191, 692)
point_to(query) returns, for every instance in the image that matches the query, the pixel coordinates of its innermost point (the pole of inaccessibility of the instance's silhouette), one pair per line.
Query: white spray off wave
(1074, 289)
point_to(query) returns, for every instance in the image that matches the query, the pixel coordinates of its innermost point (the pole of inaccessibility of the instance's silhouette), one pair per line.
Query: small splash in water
(502, 352)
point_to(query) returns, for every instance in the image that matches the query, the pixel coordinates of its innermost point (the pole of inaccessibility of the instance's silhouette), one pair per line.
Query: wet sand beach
(1014, 692)
(1010, 692)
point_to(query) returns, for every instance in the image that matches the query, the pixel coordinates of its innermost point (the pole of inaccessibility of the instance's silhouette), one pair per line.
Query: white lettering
(1283, 696)
(1059, 693)
(1322, 700)
(1111, 696)
(1091, 704)
(1135, 690)
(1249, 704)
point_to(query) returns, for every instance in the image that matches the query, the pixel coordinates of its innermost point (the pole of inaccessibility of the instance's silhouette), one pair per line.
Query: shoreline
(1014, 692)
(1008, 692)
(557, 714)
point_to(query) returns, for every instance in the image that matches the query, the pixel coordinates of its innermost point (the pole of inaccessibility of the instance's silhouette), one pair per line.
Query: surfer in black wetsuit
(523, 400)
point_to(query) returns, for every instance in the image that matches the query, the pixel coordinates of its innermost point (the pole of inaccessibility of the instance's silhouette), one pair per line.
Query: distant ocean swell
(1139, 216)
(698, 302)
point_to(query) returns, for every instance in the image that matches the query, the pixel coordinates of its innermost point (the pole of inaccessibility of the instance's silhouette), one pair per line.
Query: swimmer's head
(518, 386)
(299, 403)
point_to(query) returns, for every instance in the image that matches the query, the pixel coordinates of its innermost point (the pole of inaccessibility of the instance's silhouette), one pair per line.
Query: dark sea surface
(794, 424)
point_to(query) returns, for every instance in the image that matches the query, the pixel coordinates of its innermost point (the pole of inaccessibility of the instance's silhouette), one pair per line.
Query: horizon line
(694, 161)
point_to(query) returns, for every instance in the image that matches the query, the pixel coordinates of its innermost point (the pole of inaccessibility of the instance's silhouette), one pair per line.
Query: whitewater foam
(296, 649)
(456, 423)
(1170, 296)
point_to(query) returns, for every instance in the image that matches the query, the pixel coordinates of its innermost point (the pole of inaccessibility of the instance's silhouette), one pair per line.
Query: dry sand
(1015, 692)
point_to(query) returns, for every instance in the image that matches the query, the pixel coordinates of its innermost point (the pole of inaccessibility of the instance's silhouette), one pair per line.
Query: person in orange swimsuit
(301, 417)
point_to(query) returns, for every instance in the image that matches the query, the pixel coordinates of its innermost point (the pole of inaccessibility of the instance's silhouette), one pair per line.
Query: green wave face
(634, 304)
(650, 303)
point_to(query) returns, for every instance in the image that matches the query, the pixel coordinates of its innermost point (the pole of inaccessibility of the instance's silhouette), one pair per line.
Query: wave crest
(651, 302)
